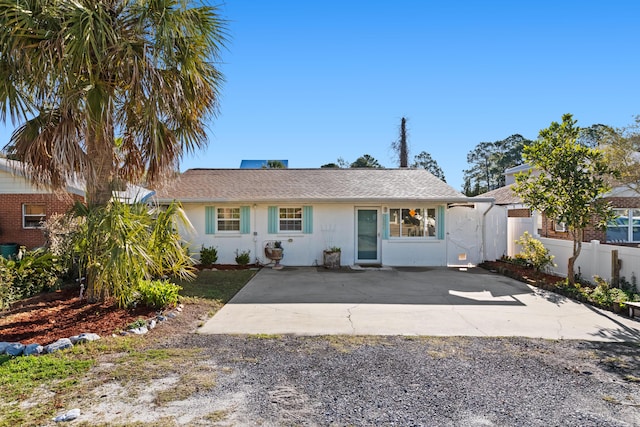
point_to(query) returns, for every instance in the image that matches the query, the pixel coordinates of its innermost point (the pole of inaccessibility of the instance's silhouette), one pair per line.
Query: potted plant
(331, 257)
(273, 251)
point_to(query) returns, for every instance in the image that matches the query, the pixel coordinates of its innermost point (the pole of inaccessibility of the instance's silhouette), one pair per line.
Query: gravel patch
(363, 381)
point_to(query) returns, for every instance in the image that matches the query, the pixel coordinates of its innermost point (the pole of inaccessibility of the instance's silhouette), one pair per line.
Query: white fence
(594, 259)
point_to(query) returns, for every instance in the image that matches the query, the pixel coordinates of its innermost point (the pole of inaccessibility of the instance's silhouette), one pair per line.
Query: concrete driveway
(405, 301)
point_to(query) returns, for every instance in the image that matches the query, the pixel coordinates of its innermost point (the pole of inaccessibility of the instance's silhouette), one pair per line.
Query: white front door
(367, 236)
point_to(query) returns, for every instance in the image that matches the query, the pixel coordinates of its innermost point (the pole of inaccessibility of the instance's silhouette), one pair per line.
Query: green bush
(534, 253)
(208, 255)
(157, 293)
(7, 292)
(243, 258)
(37, 271)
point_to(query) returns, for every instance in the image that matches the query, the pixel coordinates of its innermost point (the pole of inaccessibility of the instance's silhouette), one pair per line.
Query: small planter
(331, 259)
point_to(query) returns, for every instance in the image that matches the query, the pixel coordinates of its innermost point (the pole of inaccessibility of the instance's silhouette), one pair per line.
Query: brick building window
(626, 227)
(33, 216)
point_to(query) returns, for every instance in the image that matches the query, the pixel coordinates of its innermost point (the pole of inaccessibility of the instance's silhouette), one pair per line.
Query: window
(290, 219)
(33, 216)
(412, 222)
(228, 219)
(626, 227)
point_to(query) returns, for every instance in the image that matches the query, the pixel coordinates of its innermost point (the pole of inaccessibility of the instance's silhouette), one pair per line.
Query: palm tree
(79, 74)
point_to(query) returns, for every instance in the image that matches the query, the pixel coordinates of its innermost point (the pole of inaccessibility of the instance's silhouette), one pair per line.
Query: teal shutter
(385, 226)
(245, 219)
(440, 221)
(272, 220)
(209, 220)
(307, 219)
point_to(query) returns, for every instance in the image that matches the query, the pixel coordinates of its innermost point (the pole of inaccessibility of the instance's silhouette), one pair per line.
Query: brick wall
(591, 233)
(519, 213)
(11, 230)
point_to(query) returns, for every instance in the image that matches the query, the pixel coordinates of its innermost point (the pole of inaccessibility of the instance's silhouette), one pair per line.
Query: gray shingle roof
(307, 185)
(503, 195)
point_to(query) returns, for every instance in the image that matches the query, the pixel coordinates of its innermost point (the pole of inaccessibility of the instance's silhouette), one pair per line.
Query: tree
(401, 145)
(568, 182)
(330, 166)
(79, 74)
(489, 160)
(365, 161)
(425, 161)
(274, 164)
(623, 153)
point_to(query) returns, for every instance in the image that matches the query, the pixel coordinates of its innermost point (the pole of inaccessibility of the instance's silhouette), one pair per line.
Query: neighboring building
(391, 217)
(24, 206)
(624, 231)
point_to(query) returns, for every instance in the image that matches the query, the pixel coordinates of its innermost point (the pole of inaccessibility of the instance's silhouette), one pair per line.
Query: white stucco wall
(333, 225)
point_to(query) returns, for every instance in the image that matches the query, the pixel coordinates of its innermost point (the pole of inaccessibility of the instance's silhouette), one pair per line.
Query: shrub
(534, 253)
(243, 258)
(7, 292)
(158, 293)
(208, 255)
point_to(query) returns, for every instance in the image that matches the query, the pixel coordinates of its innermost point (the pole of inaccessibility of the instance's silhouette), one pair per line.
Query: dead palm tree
(79, 74)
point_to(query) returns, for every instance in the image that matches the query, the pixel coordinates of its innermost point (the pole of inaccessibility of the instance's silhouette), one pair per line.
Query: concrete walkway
(435, 302)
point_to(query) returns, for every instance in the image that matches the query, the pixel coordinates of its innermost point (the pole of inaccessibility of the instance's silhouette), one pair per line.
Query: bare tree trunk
(577, 248)
(404, 151)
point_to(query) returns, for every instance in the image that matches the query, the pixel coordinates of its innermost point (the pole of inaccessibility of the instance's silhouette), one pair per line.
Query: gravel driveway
(363, 381)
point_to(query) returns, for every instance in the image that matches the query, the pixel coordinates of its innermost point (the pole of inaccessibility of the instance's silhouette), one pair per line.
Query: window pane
(431, 222)
(290, 219)
(394, 222)
(228, 219)
(636, 217)
(636, 234)
(617, 234)
(34, 216)
(34, 210)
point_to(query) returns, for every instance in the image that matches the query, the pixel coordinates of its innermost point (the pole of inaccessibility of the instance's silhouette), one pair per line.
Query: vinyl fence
(594, 259)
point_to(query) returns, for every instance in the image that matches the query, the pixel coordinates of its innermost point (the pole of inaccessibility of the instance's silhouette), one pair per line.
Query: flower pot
(331, 259)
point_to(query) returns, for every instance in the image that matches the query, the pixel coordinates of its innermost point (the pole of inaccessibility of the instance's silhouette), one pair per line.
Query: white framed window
(290, 219)
(412, 222)
(33, 216)
(228, 219)
(559, 227)
(625, 227)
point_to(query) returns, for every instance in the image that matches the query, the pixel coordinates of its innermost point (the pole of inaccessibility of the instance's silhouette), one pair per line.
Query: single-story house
(390, 217)
(25, 206)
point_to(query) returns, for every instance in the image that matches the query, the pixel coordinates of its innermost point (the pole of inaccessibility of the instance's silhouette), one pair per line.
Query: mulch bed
(524, 274)
(50, 316)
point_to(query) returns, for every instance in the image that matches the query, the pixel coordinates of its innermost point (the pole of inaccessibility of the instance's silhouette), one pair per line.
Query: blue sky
(312, 81)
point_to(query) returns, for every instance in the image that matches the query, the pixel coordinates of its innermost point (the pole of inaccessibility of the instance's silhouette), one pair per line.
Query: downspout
(484, 230)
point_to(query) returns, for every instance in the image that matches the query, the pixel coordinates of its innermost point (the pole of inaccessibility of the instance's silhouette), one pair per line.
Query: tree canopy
(488, 161)
(567, 181)
(623, 153)
(365, 161)
(77, 75)
(425, 161)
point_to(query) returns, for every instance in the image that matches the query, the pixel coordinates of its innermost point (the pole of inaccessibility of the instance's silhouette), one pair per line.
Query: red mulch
(523, 273)
(50, 316)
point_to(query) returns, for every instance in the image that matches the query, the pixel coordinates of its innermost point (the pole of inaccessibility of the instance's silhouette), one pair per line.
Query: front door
(367, 236)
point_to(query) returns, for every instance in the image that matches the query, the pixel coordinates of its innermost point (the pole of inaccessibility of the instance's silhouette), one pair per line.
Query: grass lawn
(218, 285)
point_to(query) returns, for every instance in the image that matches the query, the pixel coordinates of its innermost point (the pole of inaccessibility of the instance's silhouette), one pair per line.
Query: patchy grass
(220, 285)
(50, 374)
(35, 389)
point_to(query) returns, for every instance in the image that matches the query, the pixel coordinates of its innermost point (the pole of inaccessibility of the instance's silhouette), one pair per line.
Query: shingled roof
(503, 195)
(308, 185)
